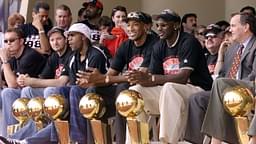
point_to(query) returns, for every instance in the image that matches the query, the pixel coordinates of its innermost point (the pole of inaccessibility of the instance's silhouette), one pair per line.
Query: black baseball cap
(167, 15)
(136, 15)
(212, 30)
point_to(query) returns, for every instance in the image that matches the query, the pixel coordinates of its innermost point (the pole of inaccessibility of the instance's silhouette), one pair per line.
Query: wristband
(41, 32)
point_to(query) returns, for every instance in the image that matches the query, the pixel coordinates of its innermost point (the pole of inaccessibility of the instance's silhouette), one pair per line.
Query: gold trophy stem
(139, 131)
(99, 130)
(62, 128)
(242, 125)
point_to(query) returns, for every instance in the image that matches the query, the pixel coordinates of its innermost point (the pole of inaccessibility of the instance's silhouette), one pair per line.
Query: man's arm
(95, 78)
(147, 79)
(9, 75)
(44, 42)
(37, 82)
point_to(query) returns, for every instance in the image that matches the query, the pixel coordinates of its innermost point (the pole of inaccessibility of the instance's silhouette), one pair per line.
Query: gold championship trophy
(130, 104)
(20, 113)
(56, 107)
(35, 111)
(238, 102)
(92, 107)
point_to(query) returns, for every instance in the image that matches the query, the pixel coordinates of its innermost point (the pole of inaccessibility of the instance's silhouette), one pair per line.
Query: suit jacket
(247, 68)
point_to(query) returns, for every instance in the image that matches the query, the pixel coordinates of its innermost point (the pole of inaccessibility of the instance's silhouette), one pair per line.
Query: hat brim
(165, 17)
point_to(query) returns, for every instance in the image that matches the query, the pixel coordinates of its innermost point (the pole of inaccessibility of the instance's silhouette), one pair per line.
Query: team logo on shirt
(58, 71)
(171, 66)
(33, 41)
(135, 63)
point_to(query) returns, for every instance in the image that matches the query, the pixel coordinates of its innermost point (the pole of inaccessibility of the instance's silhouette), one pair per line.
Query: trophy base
(242, 126)
(11, 129)
(101, 132)
(62, 128)
(139, 131)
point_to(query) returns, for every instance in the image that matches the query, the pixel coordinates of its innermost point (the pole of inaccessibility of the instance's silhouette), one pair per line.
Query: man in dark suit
(218, 123)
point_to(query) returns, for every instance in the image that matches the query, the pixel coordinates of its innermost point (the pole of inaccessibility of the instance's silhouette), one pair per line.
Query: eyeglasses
(11, 40)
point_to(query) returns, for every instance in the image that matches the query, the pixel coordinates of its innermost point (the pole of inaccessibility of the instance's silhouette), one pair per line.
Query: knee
(50, 91)
(6, 93)
(137, 88)
(25, 92)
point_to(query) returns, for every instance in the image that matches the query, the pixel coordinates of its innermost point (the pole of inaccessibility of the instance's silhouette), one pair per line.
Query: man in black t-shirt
(17, 59)
(178, 69)
(133, 54)
(94, 9)
(214, 37)
(36, 32)
(85, 55)
(53, 68)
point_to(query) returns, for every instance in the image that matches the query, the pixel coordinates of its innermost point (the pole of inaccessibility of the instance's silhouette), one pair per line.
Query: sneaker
(4, 140)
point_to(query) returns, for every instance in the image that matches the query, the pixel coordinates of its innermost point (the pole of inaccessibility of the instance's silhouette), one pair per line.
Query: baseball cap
(96, 3)
(167, 15)
(136, 15)
(81, 28)
(212, 30)
(56, 29)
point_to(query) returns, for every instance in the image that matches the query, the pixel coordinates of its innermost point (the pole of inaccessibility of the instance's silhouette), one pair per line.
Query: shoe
(4, 140)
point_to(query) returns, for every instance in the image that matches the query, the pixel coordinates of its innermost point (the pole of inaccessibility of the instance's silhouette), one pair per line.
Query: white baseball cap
(81, 28)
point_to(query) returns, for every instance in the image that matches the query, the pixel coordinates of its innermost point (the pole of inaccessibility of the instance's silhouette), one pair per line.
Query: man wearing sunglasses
(213, 39)
(177, 69)
(16, 59)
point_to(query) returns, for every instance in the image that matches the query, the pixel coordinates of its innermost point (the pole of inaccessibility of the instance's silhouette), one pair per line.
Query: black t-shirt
(32, 38)
(30, 62)
(186, 54)
(55, 65)
(95, 58)
(133, 57)
(95, 32)
(211, 62)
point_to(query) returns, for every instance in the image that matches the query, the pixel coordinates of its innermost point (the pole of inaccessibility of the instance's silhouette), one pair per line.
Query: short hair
(15, 17)
(246, 18)
(248, 8)
(81, 10)
(18, 31)
(118, 8)
(42, 5)
(186, 16)
(64, 8)
(106, 21)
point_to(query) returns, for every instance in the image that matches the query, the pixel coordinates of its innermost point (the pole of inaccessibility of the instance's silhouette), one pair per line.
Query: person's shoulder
(96, 51)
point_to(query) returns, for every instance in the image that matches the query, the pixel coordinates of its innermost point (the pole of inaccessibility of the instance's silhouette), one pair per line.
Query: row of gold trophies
(55, 108)
(238, 101)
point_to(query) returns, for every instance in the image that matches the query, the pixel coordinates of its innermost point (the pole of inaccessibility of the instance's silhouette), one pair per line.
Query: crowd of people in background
(180, 68)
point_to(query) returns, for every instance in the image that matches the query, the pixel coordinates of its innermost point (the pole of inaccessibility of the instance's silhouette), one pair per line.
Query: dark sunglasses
(10, 40)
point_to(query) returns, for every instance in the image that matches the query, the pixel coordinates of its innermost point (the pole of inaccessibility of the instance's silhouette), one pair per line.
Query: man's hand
(22, 80)
(90, 77)
(4, 54)
(138, 77)
(37, 22)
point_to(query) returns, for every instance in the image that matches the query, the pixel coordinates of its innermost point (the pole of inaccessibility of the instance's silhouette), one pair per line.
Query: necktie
(236, 63)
